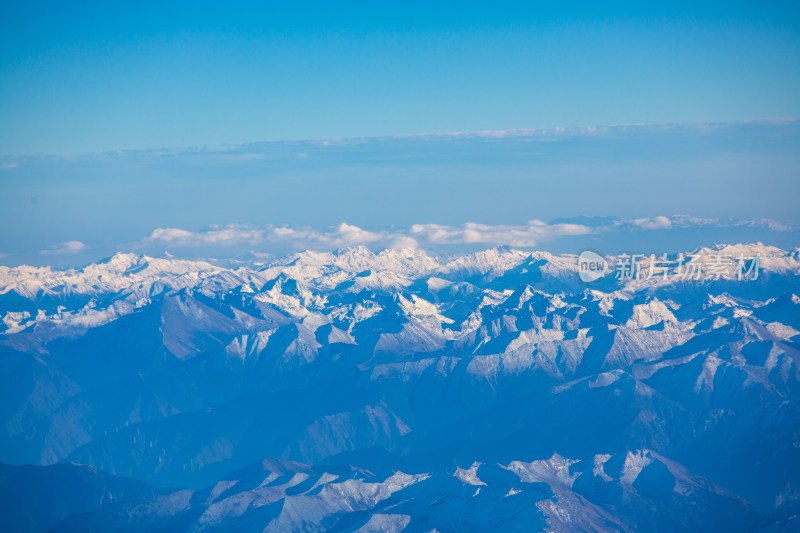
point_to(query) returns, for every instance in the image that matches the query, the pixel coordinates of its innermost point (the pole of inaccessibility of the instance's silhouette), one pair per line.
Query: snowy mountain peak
(386, 385)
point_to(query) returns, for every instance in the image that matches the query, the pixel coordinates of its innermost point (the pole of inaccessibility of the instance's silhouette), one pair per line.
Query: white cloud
(69, 247)
(660, 222)
(768, 223)
(334, 237)
(534, 233)
(248, 152)
(471, 233)
(214, 235)
(349, 235)
(688, 221)
(354, 235)
(402, 241)
(170, 235)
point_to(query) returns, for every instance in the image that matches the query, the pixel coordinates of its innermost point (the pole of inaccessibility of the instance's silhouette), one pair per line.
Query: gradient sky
(224, 202)
(105, 75)
(298, 114)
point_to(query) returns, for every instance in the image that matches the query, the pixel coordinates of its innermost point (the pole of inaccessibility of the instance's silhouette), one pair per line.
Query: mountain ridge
(176, 373)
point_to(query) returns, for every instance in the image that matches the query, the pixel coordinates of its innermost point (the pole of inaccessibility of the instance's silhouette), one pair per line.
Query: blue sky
(201, 128)
(106, 76)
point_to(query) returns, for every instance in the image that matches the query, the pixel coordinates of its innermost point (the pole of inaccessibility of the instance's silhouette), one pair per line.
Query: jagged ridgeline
(376, 392)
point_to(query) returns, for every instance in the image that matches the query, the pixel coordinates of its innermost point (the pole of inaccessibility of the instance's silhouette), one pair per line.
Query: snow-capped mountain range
(355, 391)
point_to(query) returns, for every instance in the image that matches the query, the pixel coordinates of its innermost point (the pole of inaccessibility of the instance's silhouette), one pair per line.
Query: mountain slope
(177, 373)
